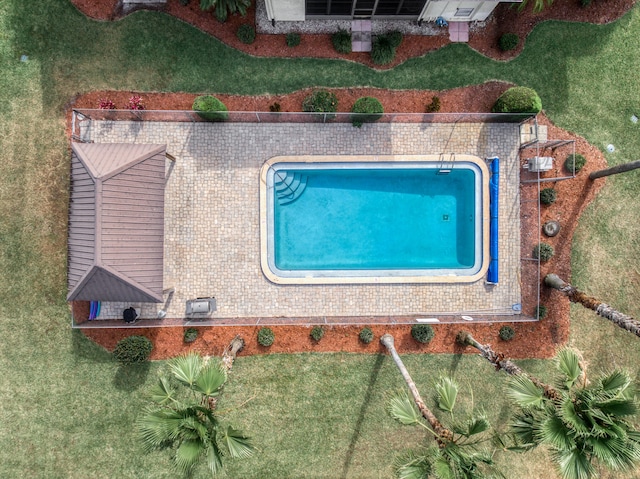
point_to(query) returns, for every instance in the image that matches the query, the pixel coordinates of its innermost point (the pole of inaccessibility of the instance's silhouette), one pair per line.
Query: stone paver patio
(212, 241)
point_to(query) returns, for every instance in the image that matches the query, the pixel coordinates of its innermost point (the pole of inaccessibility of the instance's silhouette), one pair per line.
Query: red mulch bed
(537, 339)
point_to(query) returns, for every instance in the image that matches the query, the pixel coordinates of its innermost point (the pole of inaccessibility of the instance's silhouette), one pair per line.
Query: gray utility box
(539, 163)
(201, 308)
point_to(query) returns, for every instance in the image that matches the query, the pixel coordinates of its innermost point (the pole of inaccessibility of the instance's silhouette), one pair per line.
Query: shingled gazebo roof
(116, 222)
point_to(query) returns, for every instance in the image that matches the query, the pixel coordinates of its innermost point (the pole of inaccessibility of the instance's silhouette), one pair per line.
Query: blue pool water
(349, 219)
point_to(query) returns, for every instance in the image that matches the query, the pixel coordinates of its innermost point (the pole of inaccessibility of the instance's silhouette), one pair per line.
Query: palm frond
(573, 417)
(616, 452)
(447, 392)
(555, 433)
(162, 392)
(237, 443)
(214, 458)
(526, 429)
(403, 409)
(524, 392)
(568, 362)
(574, 464)
(188, 455)
(211, 378)
(186, 368)
(411, 465)
(616, 381)
(477, 425)
(158, 429)
(442, 469)
(618, 407)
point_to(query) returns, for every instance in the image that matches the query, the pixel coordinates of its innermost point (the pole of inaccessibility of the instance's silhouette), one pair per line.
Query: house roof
(116, 222)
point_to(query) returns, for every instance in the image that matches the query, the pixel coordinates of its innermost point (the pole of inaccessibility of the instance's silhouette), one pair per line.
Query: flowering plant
(106, 104)
(135, 103)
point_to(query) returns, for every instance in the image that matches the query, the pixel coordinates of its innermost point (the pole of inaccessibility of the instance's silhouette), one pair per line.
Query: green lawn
(66, 409)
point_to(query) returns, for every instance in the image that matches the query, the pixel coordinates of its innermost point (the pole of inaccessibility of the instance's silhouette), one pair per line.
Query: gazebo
(116, 222)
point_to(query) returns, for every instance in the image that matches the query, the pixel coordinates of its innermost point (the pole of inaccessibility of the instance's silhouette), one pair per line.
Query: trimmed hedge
(190, 335)
(293, 39)
(266, 337)
(506, 333)
(508, 41)
(246, 33)
(548, 196)
(341, 41)
(543, 252)
(366, 110)
(423, 333)
(133, 349)
(518, 99)
(210, 108)
(366, 335)
(317, 332)
(578, 161)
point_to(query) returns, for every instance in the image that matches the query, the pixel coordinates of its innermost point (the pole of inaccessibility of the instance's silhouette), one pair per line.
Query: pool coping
(405, 279)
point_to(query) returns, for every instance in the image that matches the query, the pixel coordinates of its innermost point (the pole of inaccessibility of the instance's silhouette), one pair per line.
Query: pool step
(289, 186)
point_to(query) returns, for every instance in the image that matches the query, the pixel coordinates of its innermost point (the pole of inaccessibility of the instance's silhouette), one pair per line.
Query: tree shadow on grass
(375, 371)
(130, 377)
(85, 349)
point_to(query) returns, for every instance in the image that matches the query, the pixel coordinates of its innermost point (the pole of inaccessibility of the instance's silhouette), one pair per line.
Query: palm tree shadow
(131, 376)
(373, 378)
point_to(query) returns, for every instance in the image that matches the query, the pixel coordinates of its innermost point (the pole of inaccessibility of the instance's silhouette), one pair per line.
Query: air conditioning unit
(200, 308)
(539, 163)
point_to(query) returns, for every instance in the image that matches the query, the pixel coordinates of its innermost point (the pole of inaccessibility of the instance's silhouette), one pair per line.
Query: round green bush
(341, 41)
(395, 37)
(366, 110)
(366, 335)
(133, 349)
(317, 332)
(518, 99)
(382, 50)
(321, 101)
(576, 161)
(266, 337)
(508, 41)
(190, 335)
(540, 312)
(210, 108)
(423, 333)
(548, 196)
(506, 333)
(246, 33)
(293, 39)
(543, 252)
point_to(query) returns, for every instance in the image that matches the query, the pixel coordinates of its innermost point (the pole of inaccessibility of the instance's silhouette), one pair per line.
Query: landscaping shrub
(395, 37)
(316, 333)
(540, 312)
(506, 333)
(578, 161)
(133, 349)
(275, 108)
(321, 101)
(210, 108)
(423, 333)
(266, 337)
(341, 41)
(367, 109)
(548, 196)
(293, 39)
(184, 2)
(434, 106)
(222, 8)
(190, 335)
(543, 251)
(508, 41)
(382, 50)
(518, 99)
(585, 3)
(366, 335)
(106, 104)
(246, 33)
(135, 103)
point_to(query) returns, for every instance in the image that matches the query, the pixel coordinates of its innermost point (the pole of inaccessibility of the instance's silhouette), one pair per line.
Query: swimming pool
(384, 219)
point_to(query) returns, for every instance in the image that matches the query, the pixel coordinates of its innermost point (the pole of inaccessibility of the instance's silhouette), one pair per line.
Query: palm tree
(632, 165)
(502, 364)
(457, 455)
(619, 319)
(588, 424)
(182, 416)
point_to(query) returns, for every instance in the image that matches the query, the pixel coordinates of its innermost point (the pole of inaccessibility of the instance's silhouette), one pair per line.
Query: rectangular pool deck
(212, 219)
